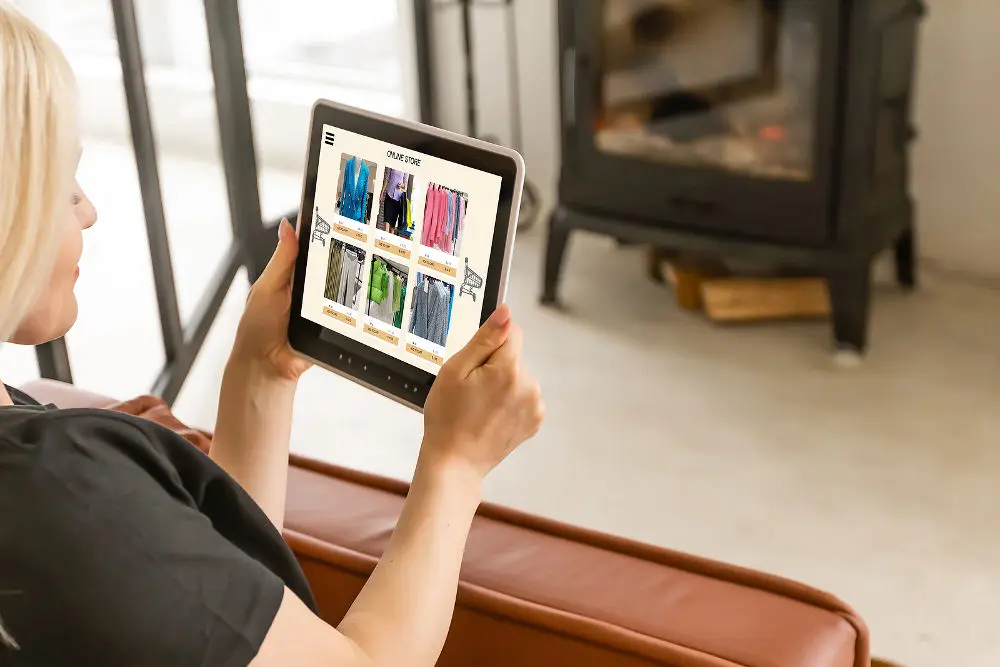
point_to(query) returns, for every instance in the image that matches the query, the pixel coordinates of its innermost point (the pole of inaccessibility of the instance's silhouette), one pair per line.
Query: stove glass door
(728, 84)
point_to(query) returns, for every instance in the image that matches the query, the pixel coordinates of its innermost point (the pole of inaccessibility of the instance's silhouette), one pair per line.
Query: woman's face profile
(55, 310)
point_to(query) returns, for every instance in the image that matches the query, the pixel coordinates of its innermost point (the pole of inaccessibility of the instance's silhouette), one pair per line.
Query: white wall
(956, 173)
(956, 177)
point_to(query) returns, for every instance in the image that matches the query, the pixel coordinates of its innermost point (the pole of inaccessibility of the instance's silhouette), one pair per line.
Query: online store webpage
(399, 247)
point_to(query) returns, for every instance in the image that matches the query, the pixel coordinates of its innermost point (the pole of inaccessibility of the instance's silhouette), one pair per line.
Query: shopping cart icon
(321, 230)
(472, 281)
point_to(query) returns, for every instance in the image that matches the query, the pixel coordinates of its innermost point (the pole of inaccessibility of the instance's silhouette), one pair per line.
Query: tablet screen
(399, 247)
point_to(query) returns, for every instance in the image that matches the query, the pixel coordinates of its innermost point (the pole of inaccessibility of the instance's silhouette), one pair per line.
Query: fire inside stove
(728, 84)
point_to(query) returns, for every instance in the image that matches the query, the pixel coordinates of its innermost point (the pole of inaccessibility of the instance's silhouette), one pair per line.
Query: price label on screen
(350, 233)
(424, 354)
(381, 244)
(384, 335)
(337, 315)
(437, 266)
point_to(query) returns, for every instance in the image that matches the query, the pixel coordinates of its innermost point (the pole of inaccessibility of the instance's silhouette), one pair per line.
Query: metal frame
(253, 239)
(425, 73)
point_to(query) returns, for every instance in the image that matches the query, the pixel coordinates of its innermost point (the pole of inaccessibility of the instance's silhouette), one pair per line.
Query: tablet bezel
(350, 358)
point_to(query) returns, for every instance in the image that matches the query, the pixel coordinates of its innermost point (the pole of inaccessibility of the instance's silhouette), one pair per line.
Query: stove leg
(906, 259)
(654, 264)
(555, 251)
(850, 299)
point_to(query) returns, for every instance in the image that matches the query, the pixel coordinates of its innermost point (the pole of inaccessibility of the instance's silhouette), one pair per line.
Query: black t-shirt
(123, 544)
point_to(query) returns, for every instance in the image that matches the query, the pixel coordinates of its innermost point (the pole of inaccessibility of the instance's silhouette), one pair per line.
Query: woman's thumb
(278, 272)
(485, 342)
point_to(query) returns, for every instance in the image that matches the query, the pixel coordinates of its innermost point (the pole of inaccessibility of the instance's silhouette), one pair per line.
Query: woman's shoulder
(103, 510)
(34, 422)
(71, 442)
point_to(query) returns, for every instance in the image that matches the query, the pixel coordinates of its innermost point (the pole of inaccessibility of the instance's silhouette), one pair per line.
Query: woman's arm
(482, 406)
(402, 615)
(258, 387)
(252, 434)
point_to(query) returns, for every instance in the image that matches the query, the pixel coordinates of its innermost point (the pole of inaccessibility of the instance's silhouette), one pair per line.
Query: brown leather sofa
(537, 592)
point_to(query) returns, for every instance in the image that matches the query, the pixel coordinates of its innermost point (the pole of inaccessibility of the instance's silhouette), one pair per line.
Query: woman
(121, 544)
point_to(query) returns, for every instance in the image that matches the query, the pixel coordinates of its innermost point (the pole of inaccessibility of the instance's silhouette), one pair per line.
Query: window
(80, 27)
(291, 47)
(328, 41)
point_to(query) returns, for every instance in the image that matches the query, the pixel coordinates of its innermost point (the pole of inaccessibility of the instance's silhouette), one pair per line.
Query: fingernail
(284, 227)
(499, 318)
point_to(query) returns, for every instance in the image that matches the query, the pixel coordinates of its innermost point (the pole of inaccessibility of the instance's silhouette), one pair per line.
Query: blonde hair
(38, 148)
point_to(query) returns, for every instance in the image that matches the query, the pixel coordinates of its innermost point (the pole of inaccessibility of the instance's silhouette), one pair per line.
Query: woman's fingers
(484, 343)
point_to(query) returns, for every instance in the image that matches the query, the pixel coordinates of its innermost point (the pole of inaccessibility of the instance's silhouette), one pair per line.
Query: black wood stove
(773, 130)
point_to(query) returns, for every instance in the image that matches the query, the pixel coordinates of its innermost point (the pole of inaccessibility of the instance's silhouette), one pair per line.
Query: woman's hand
(262, 337)
(484, 403)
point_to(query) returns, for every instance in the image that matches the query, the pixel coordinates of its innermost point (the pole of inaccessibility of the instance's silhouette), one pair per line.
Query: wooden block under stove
(687, 286)
(685, 273)
(755, 299)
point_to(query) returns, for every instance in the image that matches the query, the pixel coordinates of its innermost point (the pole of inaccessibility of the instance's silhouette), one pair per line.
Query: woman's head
(42, 210)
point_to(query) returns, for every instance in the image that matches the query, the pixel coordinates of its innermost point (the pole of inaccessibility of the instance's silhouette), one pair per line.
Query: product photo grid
(391, 231)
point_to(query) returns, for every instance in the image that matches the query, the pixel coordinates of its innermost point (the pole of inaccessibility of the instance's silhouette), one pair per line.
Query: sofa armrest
(153, 408)
(64, 395)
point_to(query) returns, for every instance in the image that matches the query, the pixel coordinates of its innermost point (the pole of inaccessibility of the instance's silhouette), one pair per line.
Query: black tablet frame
(377, 370)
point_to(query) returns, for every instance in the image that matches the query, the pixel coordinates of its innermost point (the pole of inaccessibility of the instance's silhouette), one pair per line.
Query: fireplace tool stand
(530, 200)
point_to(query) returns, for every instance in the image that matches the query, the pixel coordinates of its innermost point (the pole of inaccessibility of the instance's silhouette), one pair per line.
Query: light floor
(878, 483)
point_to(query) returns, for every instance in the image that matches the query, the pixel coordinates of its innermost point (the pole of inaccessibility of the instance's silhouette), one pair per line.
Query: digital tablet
(405, 238)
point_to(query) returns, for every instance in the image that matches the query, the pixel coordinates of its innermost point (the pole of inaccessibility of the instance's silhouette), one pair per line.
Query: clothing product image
(398, 296)
(378, 286)
(405, 226)
(449, 224)
(444, 218)
(387, 292)
(354, 202)
(395, 183)
(393, 213)
(430, 312)
(343, 274)
(394, 204)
